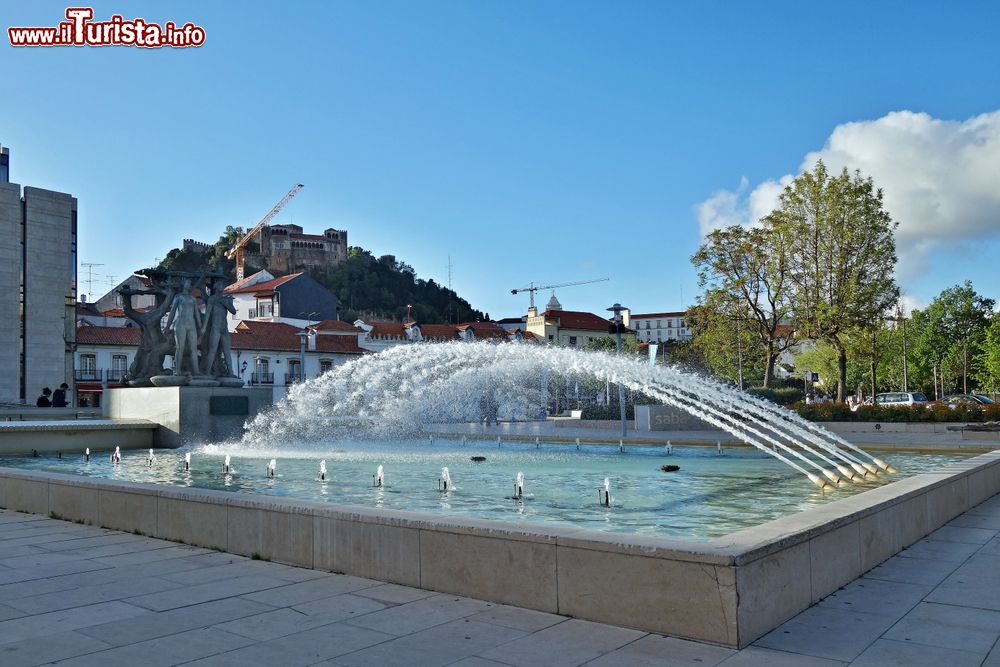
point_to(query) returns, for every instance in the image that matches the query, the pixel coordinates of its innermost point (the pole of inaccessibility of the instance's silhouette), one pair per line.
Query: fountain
(226, 469)
(378, 479)
(399, 390)
(444, 482)
(519, 486)
(271, 465)
(604, 495)
(86, 455)
(322, 470)
(187, 461)
(116, 456)
(150, 459)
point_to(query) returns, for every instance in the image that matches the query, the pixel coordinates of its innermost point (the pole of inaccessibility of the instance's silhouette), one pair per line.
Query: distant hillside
(370, 287)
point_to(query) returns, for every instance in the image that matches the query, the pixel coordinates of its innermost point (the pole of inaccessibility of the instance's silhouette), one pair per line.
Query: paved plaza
(81, 595)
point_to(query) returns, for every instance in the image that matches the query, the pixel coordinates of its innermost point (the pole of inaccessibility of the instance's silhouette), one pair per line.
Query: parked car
(966, 400)
(900, 398)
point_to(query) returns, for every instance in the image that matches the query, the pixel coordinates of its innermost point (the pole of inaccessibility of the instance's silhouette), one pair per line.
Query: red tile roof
(90, 335)
(266, 286)
(335, 325)
(338, 344)
(438, 331)
(573, 319)
(387, 329)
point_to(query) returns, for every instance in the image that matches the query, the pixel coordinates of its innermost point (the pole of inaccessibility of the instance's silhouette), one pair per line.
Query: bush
(607, 412)
(781, 395)
(916, 413)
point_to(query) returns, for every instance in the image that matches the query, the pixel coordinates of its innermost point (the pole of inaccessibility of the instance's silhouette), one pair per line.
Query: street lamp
(303, 335)
(901, 319)
(617, 310)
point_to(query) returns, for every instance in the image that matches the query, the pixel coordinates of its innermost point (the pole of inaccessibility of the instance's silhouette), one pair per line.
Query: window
(119, 366)
(572, 341)
(325, 365)
(657, 324)
(88, 363)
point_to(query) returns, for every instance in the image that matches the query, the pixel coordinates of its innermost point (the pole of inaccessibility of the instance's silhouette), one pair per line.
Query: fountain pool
(709, 496)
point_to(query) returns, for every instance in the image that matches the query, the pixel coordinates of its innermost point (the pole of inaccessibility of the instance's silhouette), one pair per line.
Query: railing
(88, 375)
(262, 378)
(292, 378)
(115, 375)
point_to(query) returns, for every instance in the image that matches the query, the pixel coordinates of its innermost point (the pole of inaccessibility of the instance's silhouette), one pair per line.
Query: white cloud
(941, 180)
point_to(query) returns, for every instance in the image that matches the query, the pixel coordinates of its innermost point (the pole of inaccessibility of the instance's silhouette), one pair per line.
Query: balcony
(115, 375)
(292, 378)
(88, 375)
(262, 378)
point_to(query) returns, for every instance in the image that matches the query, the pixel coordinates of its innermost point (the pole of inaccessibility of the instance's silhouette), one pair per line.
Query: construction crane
(531, 288)
(238, 251)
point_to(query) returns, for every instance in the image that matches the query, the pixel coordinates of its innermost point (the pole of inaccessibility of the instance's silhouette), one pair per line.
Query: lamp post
(617, 310)
(901, 320)
(303, 335)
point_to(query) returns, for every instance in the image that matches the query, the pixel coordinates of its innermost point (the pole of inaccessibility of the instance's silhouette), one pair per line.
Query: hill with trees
(379, 288)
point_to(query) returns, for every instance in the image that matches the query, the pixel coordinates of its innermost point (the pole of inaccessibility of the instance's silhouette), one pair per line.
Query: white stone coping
(750, 544)
(75, 425)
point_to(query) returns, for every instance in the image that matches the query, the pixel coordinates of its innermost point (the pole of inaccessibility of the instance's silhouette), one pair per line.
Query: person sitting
(59, 396)
(43, 400)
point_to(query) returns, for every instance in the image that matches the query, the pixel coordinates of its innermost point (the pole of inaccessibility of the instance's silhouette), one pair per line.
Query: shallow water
(710, 495)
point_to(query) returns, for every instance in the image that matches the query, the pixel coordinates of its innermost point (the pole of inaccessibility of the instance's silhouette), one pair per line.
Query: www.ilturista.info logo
(81, 30)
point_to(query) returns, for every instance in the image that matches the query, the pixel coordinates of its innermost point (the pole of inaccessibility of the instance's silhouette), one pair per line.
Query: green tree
(824, 359)
(954, 331)
(728, 345)
(841, 255)
(746, 272)
(988, 359)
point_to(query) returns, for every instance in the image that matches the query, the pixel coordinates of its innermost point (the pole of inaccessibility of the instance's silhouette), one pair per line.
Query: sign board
(229, 405)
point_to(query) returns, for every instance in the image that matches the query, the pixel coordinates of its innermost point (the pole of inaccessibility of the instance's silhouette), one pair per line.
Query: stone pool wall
(728, 590)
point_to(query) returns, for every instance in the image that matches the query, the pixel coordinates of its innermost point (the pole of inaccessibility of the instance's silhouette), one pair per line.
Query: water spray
(149, 461)
(444, 482)
(604, 495)
(187, 461)
(378, 479)
(86, 455)
(669, 448)
(116, 457)
(322, 470)
(271, 465)
(519, 486)
(226, 469)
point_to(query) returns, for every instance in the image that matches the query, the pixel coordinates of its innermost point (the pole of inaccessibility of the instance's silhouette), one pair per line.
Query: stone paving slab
(120, 599)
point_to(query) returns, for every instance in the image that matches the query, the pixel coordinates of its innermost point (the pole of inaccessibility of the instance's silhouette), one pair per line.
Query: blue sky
(544, 141)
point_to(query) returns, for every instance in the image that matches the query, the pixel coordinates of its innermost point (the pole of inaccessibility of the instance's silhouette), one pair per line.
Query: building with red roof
(570, 328)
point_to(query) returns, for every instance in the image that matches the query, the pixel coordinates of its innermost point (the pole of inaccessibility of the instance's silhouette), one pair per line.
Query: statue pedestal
(189, 414)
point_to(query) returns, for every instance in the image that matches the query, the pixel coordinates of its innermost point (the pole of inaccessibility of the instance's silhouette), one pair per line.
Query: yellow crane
(238, 251)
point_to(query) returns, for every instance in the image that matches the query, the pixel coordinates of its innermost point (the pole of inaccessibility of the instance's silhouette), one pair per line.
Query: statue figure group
(198, 341)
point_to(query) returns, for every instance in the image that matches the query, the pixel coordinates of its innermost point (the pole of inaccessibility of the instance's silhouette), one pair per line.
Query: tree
(955, 329)
(988, 374)
(729, 346)
(841, 255)
(746, 273)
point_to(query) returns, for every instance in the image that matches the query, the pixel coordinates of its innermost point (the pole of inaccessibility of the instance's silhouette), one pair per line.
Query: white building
(661, 327)
(266, 354)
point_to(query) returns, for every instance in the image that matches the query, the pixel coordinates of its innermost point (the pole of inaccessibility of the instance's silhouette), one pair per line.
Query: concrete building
(661, 327)
(571, 328)
(37, 289)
